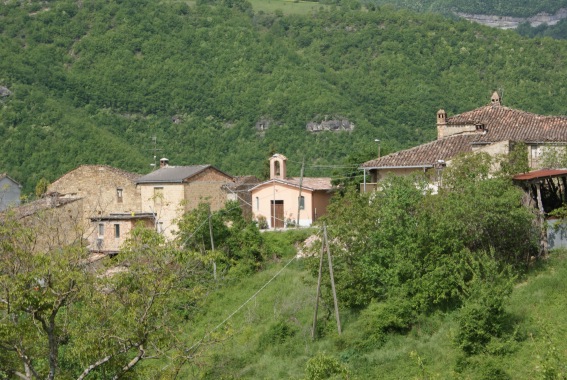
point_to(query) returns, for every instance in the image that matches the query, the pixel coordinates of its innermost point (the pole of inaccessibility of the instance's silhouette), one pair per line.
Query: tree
(41, 187)
(62, 317)
(403, 242)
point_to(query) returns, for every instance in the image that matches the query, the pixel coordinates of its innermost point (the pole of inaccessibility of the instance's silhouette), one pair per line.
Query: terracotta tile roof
(425, 155)
(309, 183)
(499, 123)
(503, 123)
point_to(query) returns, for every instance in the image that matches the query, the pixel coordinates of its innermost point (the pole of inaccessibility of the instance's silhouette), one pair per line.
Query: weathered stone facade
(170, 199)
(102, 190)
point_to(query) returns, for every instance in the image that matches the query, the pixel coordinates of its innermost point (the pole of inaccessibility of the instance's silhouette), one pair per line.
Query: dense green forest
(93, 82)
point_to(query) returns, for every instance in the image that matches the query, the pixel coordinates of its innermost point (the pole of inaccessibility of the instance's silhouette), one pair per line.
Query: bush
(277, 334)
(324, 366)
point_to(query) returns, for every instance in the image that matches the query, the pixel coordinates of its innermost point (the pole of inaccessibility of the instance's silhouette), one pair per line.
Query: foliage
(41, 187)
(62, 318)
(323, 366)
(518, 8)
(403, 242)
(516, 161)
(276, 334)
(94, 82)
(238, 244)
(482, 317)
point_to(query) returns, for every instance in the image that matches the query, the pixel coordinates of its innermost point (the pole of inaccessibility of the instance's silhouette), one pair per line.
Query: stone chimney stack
(164, 162)
(495, 99)
(441, 123)
(277, 166)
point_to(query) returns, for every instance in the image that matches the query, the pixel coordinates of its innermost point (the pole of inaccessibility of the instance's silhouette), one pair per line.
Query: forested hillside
(518, 8)
(93, 82)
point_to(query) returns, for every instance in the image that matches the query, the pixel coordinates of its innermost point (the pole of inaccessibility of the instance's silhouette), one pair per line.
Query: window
(160, 227)
(117, 231)
(119, 194)
(257, 203)
(302, 202)
(101, 229)
(158, 195)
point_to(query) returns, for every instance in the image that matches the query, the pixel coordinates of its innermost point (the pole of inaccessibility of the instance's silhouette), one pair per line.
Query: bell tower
(277, 166)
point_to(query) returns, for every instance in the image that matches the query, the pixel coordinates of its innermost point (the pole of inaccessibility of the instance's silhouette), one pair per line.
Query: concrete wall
(290, 197)
(556, 234)
(9, 193)
(321, 200)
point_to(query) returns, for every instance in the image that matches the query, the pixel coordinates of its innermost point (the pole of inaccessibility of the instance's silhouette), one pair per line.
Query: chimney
(164, 162)
(441, 123)
(495, 99)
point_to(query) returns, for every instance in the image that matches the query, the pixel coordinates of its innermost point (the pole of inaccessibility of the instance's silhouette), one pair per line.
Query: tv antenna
(154, 149)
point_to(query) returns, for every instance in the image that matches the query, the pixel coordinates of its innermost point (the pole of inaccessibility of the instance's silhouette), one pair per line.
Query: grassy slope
(286, 6)
(537, 305)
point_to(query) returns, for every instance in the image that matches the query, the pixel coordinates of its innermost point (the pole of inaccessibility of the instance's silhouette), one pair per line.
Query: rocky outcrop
(507, 22)
(330, 125)
(4, 92)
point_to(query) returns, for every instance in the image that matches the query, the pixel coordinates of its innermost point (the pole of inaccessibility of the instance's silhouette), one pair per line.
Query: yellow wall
(168, 207)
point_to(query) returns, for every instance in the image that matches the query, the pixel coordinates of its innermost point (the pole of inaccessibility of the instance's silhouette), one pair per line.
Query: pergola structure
(547, 189)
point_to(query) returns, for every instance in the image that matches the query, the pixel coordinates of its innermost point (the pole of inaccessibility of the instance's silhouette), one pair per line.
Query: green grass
(286, 6)
(253, 343)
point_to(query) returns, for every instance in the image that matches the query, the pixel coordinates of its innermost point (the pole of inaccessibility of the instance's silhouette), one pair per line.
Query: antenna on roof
(155, 150)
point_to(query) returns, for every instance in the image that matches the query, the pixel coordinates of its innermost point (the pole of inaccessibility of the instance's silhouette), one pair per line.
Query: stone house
(9, 192)
(52, 222)
(171, 191)
(110, 203)
(239, 191)
(493, 129)
(284, 201)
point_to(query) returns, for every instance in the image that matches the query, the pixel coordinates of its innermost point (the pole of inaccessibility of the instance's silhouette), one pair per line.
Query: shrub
(324, 366)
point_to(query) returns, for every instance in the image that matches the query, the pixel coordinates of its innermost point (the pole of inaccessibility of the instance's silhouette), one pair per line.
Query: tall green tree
(62, 317)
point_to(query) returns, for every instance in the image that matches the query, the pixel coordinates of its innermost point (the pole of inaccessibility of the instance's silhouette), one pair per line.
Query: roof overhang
(396, 167)
(124, 216)
(286, 183)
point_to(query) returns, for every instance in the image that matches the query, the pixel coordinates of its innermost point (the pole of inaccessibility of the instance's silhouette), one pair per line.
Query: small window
(158, 195)
(119, 195)
(160, 227)
(257, 203)
(101, 229)
(302, 202)
(117, 231)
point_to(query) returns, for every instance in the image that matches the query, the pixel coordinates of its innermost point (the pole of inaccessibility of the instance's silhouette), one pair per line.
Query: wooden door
(277, 211)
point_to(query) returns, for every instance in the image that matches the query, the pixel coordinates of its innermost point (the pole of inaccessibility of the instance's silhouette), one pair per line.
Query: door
(277, 211)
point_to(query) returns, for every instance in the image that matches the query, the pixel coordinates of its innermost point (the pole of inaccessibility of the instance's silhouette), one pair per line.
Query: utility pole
(325, 246)
(155, 150)
(300, 185)
(332, 280)
(212, 242)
